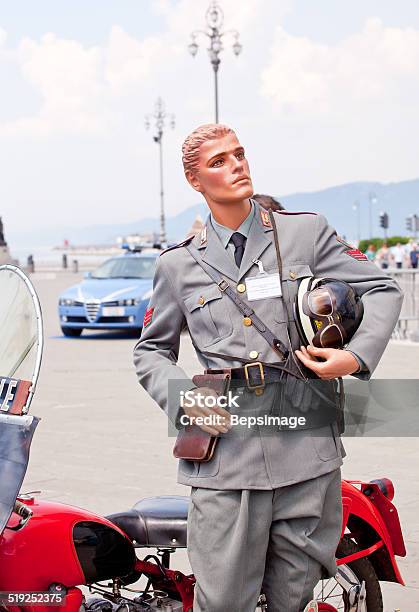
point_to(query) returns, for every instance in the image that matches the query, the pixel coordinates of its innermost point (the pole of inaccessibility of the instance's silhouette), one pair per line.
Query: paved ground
(102, 443)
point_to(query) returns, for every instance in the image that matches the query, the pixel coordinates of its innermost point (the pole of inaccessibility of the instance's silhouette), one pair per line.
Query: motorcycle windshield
(21, 343)
(19, 325)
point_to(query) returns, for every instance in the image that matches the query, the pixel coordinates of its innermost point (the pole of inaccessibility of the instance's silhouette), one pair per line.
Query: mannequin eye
(216, 163)
(240, 155)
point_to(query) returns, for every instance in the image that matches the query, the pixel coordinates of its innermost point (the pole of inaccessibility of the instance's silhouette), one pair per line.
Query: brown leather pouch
(192, 443)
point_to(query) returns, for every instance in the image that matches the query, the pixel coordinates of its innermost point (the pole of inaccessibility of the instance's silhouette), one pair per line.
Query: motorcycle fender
(360, 509)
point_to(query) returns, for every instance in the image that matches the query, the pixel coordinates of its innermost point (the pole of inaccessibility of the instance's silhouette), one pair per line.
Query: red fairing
(43, 551)
(379, 513)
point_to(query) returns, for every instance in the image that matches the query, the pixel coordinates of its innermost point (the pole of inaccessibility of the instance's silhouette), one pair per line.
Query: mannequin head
(215, 165)
(193, 142)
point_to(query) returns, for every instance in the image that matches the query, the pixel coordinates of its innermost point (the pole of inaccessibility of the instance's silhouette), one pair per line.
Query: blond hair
(193, 142)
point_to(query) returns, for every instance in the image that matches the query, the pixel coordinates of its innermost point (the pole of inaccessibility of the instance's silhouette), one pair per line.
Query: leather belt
(253, 375)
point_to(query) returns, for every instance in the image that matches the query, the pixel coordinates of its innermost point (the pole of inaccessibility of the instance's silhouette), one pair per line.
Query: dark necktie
(239, 242)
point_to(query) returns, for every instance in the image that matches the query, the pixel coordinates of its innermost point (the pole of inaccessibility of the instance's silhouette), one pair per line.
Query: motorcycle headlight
(66, 302)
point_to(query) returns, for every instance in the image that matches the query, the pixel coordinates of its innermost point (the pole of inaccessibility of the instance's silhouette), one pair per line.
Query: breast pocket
(209, 320)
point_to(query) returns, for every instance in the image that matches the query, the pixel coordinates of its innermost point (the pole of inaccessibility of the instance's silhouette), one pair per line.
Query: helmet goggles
(331, 311)
(321, 305)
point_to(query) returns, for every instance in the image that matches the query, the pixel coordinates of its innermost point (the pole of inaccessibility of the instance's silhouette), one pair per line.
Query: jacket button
(247, 321)
(201, 300)
(241, 288)
(293, 275)
(254, 354)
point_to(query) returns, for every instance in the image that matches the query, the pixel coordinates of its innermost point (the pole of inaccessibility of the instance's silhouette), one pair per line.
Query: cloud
(310, 79)
(88, 89)
(80, 85)
(69, 78)
(130, 62)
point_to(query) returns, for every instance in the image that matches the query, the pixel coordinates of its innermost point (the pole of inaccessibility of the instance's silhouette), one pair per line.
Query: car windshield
(126, 267)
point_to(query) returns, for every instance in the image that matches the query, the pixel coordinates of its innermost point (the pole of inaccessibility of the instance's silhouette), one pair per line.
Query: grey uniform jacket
(184, 296)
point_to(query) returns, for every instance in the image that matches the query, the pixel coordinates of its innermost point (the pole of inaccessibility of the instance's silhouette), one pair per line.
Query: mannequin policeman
(266, 510)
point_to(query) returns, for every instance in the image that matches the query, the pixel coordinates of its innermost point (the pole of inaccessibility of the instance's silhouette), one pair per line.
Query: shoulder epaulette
(266, 221)
(288, 212)
(179, 244)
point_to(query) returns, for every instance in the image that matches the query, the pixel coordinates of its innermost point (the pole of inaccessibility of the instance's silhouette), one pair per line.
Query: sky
(323, 93)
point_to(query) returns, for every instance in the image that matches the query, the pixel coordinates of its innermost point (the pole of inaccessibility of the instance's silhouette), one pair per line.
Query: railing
(408, 324)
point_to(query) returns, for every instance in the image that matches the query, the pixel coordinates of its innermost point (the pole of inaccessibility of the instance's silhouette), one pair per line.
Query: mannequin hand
(220, 418)
(337, 362)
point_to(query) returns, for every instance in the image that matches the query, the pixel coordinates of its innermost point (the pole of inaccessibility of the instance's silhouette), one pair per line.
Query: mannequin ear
(193, 180)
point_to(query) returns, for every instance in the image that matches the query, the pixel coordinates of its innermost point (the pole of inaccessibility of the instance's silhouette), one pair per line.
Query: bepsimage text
(266, 420)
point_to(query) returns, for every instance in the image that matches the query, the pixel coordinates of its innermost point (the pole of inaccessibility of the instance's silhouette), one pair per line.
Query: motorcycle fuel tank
(61, 544)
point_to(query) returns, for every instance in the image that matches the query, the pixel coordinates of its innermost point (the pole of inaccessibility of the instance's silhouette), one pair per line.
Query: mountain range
(399, 200)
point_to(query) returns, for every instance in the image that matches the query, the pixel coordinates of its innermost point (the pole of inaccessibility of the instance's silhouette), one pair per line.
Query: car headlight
(129, 302)
(66, 302)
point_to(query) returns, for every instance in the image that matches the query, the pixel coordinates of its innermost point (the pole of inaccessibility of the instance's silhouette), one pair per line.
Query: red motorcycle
(57, 555)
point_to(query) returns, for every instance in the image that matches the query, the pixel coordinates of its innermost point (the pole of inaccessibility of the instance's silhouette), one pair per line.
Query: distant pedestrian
(371, 252)
(30, 264)
(398, 254)
(384, 256)
(268, 202)
(414, 256)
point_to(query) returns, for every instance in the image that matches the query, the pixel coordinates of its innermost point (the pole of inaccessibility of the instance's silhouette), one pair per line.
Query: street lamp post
(355, 207)
(160, 115)
(372, 200)
(214, 18)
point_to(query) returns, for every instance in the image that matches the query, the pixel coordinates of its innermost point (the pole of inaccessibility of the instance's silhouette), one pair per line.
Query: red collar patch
(264, 217)
(203, 239)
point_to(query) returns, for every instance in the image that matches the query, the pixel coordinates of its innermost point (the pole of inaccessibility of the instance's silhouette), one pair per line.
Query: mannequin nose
(237, 164)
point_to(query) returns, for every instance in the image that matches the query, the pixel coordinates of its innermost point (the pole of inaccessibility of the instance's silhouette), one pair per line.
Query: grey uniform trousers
(240, 541)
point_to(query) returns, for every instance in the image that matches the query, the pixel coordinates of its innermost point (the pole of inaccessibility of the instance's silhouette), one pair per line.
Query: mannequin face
(223, 175)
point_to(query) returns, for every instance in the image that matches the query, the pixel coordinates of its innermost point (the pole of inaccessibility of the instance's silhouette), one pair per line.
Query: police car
(114, 296)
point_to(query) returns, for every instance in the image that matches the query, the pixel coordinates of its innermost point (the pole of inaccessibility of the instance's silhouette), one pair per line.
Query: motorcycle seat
(155, 521)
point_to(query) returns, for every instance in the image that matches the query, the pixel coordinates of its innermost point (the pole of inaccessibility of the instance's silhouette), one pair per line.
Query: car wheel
(71, 332)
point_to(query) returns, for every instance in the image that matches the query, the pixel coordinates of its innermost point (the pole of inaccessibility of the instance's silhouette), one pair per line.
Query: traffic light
(409, 223)
(384, 220)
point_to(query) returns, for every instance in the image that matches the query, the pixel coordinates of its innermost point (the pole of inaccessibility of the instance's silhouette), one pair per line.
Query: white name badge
(263, 286)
